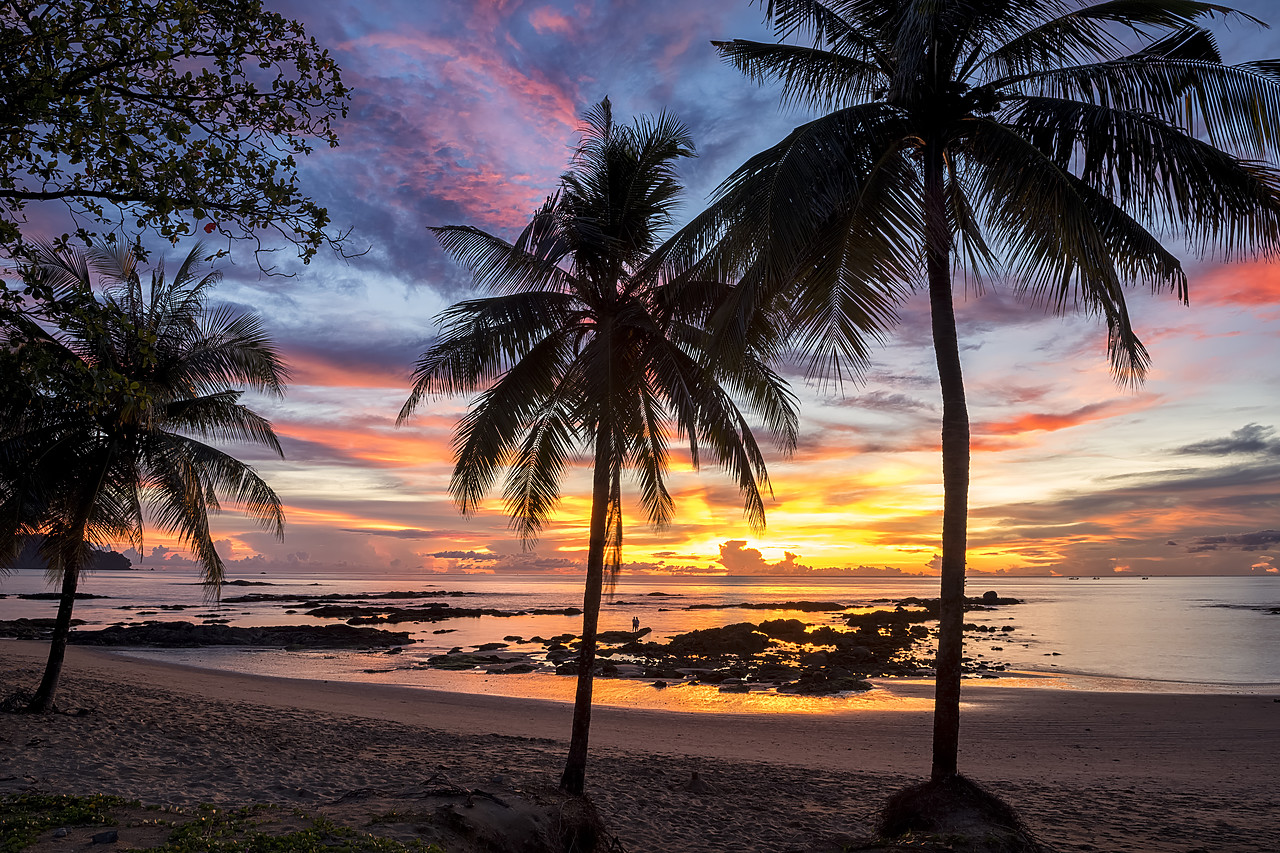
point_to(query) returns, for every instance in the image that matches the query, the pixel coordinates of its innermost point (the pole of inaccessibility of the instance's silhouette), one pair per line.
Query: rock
(735, 688)
(739, 639)
(776, 672)
(516, 669)
(30, 629)
(60, 832)
(111, 836)
(621, 636)
(185, 635)
(458, 661)
(662, 685)
(820, 684)
(792, 630)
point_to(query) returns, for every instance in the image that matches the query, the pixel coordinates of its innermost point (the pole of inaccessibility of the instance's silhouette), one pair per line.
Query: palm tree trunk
(42, 702)
(573, 780)
(955, 471)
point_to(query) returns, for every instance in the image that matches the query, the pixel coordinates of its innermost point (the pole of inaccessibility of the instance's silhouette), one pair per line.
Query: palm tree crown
(1048, 144)
(118, 391)
(581, 350)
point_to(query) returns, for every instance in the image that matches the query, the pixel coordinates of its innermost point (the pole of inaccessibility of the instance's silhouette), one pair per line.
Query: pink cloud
(1248, 285)
(545, 19)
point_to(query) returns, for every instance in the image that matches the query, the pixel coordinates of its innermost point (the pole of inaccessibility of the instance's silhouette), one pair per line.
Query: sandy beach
(1101, 771)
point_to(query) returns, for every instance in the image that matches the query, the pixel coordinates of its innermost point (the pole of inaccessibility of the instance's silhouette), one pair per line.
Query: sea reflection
(1195, 632)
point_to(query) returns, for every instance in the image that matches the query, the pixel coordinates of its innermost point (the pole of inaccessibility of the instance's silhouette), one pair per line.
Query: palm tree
(581, 349)
(117, 391)
(1045, 143)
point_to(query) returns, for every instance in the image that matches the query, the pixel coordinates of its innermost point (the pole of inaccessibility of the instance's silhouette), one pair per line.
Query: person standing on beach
(635, 624)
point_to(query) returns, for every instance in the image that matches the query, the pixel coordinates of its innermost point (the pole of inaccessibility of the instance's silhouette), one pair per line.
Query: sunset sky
(464, 113)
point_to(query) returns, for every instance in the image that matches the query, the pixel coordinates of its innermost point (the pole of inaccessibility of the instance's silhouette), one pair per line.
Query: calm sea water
(1196, 634)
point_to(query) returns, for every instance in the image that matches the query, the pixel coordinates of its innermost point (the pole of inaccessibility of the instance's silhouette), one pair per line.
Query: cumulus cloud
(741, 560)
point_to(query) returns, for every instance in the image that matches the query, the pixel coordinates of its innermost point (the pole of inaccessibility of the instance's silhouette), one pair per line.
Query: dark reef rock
(825, 684)
(622, 636)
(184, 635)
(356, 614)
(259, 597)
(30, 629)
(741, 638)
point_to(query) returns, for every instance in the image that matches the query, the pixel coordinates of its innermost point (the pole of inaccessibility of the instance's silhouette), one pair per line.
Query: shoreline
(900, 709)
(1093, 771)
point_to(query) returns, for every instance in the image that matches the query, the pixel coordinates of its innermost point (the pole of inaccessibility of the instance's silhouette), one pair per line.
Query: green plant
(24, 817)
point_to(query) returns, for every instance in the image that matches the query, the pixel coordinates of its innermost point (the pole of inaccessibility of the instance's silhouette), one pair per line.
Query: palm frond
(810, 77)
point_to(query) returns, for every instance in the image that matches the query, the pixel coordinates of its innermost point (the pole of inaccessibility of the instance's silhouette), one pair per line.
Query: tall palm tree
(582, 350)
(117, 391)
(1044, 143)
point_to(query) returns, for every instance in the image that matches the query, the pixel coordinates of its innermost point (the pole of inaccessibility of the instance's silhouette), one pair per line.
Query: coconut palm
(117, 391)
(580, 350)
(1046, 144)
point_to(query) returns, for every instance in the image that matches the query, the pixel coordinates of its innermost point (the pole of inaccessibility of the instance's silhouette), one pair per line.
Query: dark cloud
(1251, 440)
(1260, 540)
(890, 401)
(474, 556)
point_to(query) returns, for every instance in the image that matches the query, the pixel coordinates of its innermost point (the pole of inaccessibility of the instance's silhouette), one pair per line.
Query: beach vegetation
(163, 117)
(204, 828)
(110, 393)
(24, 816)
(1047, 147)
(583, 348)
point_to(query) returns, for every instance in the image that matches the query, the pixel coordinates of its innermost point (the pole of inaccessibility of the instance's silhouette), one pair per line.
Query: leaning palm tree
(581, 350)
(116, 391)
(1047, 144)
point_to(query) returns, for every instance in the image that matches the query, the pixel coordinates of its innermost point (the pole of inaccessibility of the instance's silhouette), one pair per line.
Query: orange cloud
(381, 445)
(314, 370)
(1049, 421)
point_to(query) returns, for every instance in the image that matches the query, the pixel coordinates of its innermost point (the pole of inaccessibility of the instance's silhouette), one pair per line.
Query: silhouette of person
(635, 624)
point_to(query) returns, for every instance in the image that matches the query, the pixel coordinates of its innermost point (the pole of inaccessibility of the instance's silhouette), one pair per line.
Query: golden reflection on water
(679, 696)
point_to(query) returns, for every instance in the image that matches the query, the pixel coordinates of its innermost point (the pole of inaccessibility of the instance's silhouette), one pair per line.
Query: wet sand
(1102, 771)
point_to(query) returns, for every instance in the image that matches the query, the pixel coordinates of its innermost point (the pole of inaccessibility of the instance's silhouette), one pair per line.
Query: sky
(464, 112)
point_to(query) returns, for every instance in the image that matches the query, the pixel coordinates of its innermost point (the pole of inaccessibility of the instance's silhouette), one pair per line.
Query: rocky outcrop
(30, 629)
(187, 635)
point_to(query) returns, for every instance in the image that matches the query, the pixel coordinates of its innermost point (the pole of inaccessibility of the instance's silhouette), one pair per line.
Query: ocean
(1200, 635)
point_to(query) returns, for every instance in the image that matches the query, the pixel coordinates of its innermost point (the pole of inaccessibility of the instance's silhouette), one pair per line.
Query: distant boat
(1097, 578)
(1073, 579)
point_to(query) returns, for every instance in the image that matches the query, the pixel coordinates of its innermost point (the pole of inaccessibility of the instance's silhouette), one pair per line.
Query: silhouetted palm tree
(581, 351)
(1043, 142)
(117, 390)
